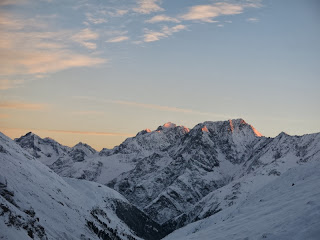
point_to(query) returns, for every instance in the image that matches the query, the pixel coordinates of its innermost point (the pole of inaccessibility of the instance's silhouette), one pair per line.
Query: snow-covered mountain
(82, 161)
(178, 175)
(47, 149)
(170, 183)
(37, 203)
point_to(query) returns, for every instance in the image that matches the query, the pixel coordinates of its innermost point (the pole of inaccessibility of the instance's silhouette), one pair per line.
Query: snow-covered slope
(286, 208)
(37, 203)
(264, 166)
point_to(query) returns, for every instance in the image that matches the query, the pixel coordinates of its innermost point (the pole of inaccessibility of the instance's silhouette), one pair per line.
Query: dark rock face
(139, 222)
(77, 155)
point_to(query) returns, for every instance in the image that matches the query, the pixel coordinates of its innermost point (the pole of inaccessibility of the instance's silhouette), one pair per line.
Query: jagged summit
(169, 125)
(230, 126)
(282, 134)
(28, 135)
(46, 149)
(80, 151)
(81, 145)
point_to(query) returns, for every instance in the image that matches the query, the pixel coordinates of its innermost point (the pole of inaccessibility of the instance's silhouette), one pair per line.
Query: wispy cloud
(30, 46)
(111, 134)
(114, 134)
(26, 61)
(12, 2)
(84, 36)
(153, 107)
(207, 13)
(117, 12)
(253, 20)
(118, 39)
(95, 20)
(121, 12)
(87, 113)
(151, 36)
(4, 116)
(148, 6)
(22, 106)
(162, 18)
(27, 47)
(9, 83)
(168, 108)
(12, 23)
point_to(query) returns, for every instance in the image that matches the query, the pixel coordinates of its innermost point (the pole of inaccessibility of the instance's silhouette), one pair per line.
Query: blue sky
(99, 71)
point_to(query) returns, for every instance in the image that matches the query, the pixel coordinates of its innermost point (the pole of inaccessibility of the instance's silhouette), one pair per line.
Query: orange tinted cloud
(35, 62)
(154, 107)
(7, 83)
(92, 133)
(148, 6)
(206, 13)
(22, 106)
(39, 51)
(118, 39)
(151, 36)
(88, 113)
(4, 115)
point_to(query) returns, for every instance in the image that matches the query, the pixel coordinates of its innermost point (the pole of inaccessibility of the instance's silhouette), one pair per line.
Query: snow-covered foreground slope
(37, 203)
(287, 208)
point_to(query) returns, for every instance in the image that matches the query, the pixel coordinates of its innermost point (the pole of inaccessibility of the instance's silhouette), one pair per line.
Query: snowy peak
(28, 140)
(232, 126)
(170, 126)
(239, 124)
(147, 141)
(84, 147)
(282, 134)
(147, 130)
(80, 151)
(46, 150)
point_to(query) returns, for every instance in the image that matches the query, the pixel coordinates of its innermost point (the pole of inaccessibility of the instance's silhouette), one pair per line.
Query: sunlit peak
(169, 125)
(186, 129)
(147, 130)
(231, 125)
(204, 129)
(256, 132)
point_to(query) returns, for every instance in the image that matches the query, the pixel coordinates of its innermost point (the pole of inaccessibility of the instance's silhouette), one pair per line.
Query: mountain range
(217, 175)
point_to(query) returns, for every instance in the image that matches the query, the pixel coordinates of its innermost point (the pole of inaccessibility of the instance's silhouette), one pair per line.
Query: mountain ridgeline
(174, 176)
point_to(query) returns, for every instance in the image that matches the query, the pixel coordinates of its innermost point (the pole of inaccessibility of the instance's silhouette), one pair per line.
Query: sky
(99, 71)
